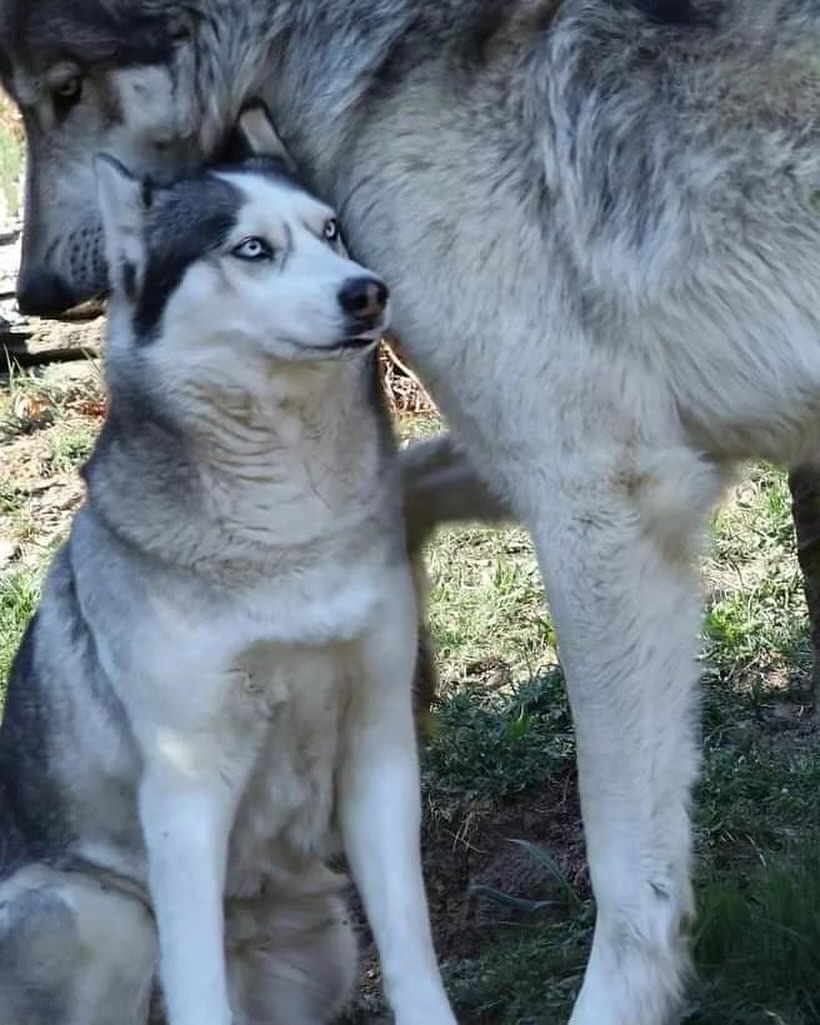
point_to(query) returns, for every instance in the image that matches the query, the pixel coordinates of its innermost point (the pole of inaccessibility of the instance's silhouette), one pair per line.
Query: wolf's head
(119, 76)
(232, 268)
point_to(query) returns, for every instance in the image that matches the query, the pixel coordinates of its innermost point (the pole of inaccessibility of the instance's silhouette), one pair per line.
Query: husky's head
(233, 267)
(91, 76)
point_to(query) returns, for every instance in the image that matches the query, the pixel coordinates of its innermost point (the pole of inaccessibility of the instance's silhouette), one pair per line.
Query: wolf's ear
(123, 201)
(256, 131)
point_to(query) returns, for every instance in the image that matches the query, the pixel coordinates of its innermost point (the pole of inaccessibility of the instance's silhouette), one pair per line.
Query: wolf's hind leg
(441, 486)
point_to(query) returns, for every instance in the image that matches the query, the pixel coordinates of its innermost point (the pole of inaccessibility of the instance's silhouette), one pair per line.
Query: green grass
(70, 449)
(19, 592)
(756, 946)
(758, 943)
(498, 744)
(487, 603)
(12, 498)
(25, 405)
(529, 979)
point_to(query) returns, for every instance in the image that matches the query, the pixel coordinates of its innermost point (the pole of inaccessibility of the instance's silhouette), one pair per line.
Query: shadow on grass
(757, 819)
(757, 944)
(757, 953)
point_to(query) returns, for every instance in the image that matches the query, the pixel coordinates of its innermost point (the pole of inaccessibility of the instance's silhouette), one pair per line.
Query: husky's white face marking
(242, 260)
(277, 278)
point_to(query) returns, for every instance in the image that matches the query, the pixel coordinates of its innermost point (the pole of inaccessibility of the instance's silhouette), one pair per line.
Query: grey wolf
(601, 222)
(218, 679)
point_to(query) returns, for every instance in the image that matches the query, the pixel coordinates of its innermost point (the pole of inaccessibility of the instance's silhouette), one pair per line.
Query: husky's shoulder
(59, 701)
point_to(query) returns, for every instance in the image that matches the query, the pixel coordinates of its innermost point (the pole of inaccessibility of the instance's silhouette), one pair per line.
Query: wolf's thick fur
(219, 674)
(602, 221)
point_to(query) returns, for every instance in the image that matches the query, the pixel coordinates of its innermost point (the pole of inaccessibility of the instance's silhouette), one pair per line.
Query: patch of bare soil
(467, 846)
(792, 724)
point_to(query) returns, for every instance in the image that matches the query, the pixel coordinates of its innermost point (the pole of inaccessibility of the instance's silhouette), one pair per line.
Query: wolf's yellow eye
(69, 91)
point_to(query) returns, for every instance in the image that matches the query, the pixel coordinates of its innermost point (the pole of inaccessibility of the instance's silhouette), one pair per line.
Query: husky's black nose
(364, 298)
(40, 293)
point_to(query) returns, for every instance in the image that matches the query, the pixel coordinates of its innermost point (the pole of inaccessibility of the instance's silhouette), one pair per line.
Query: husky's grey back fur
(601, 221)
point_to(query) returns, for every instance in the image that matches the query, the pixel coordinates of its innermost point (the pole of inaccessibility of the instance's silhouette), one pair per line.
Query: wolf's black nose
(42, 293)
(363, 298)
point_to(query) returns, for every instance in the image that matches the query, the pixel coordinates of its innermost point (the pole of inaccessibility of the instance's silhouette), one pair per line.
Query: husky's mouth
(360, 343)
(365, 338)
(359, 338)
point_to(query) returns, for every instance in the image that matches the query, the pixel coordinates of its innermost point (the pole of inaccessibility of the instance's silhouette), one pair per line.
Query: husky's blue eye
(331, 230)
(253, 249)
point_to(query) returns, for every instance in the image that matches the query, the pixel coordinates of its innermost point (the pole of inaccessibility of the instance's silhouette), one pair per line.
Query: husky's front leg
(380, 812)
(187, 806)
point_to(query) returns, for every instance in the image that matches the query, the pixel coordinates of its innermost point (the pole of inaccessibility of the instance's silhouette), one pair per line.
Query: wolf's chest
(286, 813)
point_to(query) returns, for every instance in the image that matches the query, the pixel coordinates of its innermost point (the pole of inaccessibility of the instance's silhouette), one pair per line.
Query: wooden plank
(16, 355)
(35, 342)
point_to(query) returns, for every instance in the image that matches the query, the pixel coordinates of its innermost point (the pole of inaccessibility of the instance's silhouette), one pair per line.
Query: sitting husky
(220, 670)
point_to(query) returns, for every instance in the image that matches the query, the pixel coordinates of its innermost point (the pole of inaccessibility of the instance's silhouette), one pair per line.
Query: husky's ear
(256, 131)
(123, 201)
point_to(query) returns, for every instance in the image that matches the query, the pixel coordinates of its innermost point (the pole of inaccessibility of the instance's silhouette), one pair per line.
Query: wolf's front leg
(380, 812)
(188, 800)
(616, 554)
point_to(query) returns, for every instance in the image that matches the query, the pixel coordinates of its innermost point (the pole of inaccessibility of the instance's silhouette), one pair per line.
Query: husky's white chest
(286, 813)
